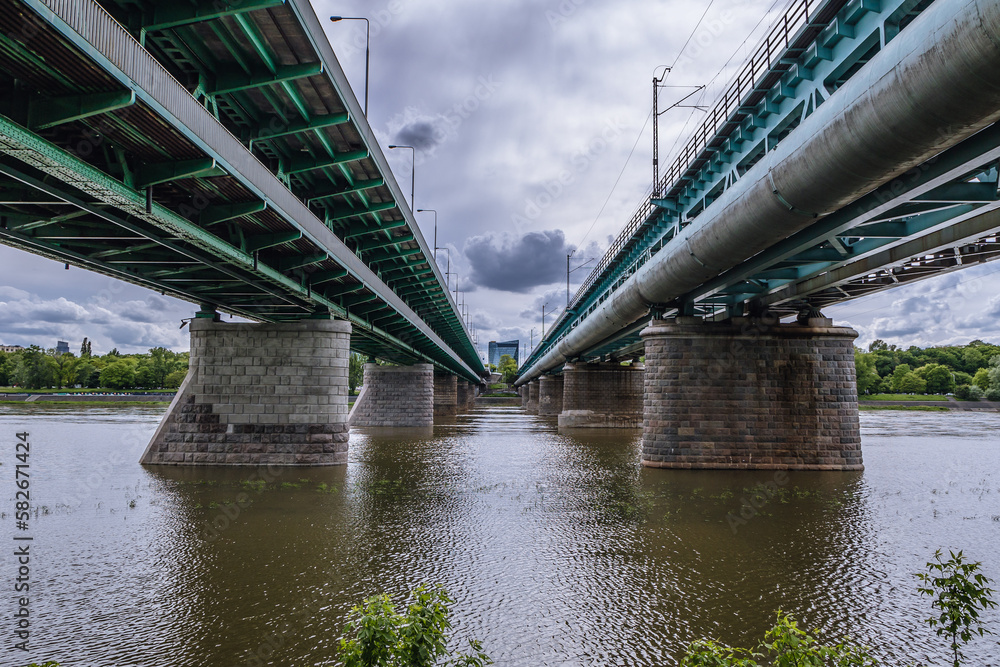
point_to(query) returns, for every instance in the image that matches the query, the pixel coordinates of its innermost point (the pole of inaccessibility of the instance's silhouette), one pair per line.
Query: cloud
(520, 263)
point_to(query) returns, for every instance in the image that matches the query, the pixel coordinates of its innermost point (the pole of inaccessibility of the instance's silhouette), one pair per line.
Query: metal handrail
(743, 85)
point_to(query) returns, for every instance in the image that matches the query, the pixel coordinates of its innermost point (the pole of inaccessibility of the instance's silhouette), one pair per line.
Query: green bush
(993, 394)
(377, 635)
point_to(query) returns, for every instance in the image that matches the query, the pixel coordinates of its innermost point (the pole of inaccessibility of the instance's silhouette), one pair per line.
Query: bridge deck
(214, 152)
(938, 216)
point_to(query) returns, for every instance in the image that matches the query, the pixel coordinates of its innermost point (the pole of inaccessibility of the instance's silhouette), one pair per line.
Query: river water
(558, 548)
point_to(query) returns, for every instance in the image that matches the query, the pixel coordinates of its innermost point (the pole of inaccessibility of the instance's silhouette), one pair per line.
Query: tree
(355, 371)
(938, 378)
(174, 379)
(993, 372)
(85, 348)
(119, 374)
(507, 368)
(377, 635)
(35, 369)
(982, 379)
(911, 383)
(864, 365)
(898, 374)
(960, 592)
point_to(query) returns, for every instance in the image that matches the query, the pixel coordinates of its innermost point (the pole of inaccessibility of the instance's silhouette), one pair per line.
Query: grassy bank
(904, 397)
(913, 408)
(21, 390)
(88, 404)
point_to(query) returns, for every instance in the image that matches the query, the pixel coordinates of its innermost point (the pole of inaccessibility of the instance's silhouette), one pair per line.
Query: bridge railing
(782, 34)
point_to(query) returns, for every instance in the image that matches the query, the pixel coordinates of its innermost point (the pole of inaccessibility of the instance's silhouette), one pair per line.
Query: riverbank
(929, 406)
(88, 399)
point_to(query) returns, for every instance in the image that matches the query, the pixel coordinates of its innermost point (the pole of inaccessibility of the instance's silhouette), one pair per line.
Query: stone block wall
(531, 407)
(466, 394)
(400, 396)
(550, 395)
(259, 394)
(602, 395)
(743, 394)
(445, 395)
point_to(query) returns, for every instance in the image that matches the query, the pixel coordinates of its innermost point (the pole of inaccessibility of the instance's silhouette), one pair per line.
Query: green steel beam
(262, 241)
(341, 213)
(177, 13)
(355, 300)
(384, 227)
(276, 127)
(223, 212)
(357, 186)
(344, 289)
(298, 261)
(237, 80)
(373, 245)
(297, 166)
(326, 276)
(46, 113)
(164, 172)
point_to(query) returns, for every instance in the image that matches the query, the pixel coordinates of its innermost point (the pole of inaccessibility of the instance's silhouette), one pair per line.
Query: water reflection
(559, 547)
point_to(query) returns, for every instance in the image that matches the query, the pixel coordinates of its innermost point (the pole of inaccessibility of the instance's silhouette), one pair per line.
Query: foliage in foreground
(784, 645)
(960, 592)
(377, 635)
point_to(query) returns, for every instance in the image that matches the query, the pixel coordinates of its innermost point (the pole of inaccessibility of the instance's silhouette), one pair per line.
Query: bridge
(857, 150)
(212, 150)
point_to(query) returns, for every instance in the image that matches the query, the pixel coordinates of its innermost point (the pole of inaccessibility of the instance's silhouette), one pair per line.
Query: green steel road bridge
(856, 150)
(212, 150)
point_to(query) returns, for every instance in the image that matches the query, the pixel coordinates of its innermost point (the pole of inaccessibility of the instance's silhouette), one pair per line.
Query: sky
(531, 122)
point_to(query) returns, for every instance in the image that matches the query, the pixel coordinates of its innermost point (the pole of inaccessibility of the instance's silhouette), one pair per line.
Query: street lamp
(543, 320)
(430, 210)
(569, 272)
(413, 169)
(447, 273)
(368, 40)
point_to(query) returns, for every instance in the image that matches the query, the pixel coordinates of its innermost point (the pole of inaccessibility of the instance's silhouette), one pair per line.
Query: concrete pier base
(602, 395)
(750, 394)
(550, 395)
(445, 395)
(467, 392)
(398, 396)
(531, 407)
(259, 394)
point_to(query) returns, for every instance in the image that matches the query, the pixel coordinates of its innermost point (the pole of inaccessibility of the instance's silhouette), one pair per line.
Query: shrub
(963, 393)
(993, 394)
(377, 635)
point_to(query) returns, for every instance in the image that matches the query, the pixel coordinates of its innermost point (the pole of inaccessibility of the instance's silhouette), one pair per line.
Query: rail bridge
(212, 150)
(857, 150)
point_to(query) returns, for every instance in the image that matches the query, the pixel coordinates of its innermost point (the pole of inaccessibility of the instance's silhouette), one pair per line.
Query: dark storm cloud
(422, 135)
(517, 264)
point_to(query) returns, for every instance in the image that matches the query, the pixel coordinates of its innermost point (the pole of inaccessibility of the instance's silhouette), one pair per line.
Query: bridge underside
(213, 152)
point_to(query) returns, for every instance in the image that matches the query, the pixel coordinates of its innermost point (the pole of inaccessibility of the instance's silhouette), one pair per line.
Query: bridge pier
(602, 395)
(531, 407)
(550, 394)
(259, 394)
(466, 395)
(445, 395)
(750, 394)
(399, 396)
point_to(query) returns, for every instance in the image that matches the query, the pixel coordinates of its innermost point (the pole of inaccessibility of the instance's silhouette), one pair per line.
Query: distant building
(10, 348)
(62, 347)
(497, 350)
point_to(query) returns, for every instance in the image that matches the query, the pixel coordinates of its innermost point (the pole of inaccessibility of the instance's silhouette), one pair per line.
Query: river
(558, 548)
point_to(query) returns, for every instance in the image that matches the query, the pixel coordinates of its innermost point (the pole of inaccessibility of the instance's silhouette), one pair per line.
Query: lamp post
(430, 210)
(413, 170)
(447, 273)
(568, 271)
(543, 320)
(368, 41)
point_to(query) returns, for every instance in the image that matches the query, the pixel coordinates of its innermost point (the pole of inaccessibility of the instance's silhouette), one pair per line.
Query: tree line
(37, 368)
(970, 371)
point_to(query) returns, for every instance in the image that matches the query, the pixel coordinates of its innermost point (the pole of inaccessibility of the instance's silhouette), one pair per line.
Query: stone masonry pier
(750, 394)
(259, 394)
(550, 395)
(601, 395)
(531, 407)
(445, 395)
(398, 396)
